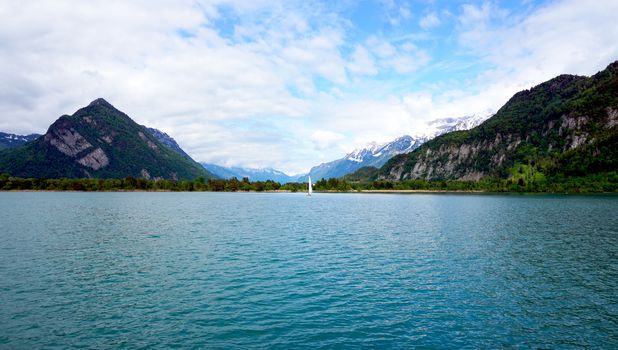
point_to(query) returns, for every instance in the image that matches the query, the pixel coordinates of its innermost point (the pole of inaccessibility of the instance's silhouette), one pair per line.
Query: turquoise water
(233, 270)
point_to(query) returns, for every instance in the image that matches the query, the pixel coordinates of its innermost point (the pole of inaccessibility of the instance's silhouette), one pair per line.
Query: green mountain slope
(98, 141)
(567, 126)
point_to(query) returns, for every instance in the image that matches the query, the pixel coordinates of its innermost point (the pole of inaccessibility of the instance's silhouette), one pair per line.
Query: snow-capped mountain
(373, 154)
(376, 155)
(360, 154)
(438, 127)
(253, 174)
(13, 140)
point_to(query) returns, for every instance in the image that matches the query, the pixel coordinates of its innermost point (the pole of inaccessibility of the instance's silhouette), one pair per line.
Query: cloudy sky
(288, 84)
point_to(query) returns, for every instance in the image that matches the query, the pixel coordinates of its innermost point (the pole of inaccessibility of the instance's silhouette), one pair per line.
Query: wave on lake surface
(250, 270)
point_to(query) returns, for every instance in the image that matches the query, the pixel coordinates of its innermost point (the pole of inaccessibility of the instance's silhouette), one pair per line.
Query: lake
(267, 270)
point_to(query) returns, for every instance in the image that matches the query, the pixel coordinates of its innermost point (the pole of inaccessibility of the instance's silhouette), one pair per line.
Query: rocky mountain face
(252, 174)
(98, 141)
(376, 155)
(13, 140)
(567, 125)
(168, 141)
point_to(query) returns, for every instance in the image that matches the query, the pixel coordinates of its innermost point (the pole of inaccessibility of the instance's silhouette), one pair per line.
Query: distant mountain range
(373, 154)
(252, 174)
(376, 155)
(12, 140)
(565, 127)
(98, 141)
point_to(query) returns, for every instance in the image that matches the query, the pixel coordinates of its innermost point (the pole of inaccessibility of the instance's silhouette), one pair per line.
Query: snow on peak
(373, 150)
(407, 143)
(441, 126)
(360, 154)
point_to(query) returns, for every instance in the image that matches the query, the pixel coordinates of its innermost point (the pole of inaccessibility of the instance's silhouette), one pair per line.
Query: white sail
(310, 190)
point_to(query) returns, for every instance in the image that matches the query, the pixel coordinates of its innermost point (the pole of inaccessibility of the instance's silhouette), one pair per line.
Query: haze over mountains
(251, 173)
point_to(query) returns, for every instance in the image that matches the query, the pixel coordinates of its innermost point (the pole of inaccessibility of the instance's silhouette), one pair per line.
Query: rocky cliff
(98, 141)
(565, 125)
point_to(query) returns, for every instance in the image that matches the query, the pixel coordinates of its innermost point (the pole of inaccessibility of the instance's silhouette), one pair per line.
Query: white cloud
(56, 57)
(403, 57)
(409, 62)
(396, 12)
(561, 37)
(284, 84)
(326, 139)
(381, 48)
(476, 15)
(431, 20)
(362, 62)
(318, 54)
(366, 119)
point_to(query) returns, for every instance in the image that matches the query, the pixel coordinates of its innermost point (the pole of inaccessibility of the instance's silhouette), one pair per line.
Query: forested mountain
(567, 126)
(98, 141)
(8, 140)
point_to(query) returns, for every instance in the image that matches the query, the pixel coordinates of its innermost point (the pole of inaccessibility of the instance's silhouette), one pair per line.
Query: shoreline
(316, 192)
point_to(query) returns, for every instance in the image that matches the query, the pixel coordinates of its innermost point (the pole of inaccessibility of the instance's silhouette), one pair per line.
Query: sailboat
(310, 190)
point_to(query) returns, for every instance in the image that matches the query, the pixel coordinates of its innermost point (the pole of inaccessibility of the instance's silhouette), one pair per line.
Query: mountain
(168, 141)
(252, 174)
(12, 140)
(567, 126)
(376, 155)
(98, 141)
(441, 126)
(372, 154)
(220, 171)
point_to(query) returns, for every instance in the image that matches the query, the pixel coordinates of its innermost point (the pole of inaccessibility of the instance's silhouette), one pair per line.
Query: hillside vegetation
(98, 141)
(566, 127)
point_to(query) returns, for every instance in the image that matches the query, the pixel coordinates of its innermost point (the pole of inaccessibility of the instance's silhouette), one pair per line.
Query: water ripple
(219, 271)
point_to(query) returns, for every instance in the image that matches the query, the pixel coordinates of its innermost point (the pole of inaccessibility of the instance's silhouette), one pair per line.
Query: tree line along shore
(607, 182)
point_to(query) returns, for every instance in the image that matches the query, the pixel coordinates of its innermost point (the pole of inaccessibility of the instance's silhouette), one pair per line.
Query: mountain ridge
(376, 155)
(98, 141)
(168, 141)
(8, 140)
(565, 126)
(254, 174)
